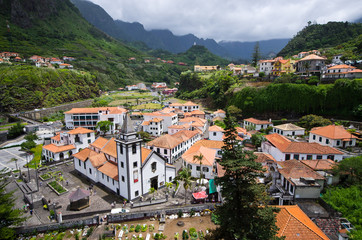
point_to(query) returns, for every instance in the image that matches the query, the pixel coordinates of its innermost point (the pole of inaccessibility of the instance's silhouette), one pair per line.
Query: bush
(138, 228)
(180, 214)
(185, 235)
(131, 229)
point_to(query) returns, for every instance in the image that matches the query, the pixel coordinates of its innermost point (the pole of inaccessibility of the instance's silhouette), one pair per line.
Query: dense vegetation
(29, 87)
(316, 36)
(222, 89)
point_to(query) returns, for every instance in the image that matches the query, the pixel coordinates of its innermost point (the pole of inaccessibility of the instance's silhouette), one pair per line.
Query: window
(293, 133)
(197, 168)
(88, 134)
(331, 157)
(107, 179)
(296, 156)
(134, 164)
(320, 139)
(135, 176)
(313, 137)
(319, 156)
(154, 166)
(158, 150)
(80, 163)
(89, 141)
(189, 166)
(102, 175)
(165, 151)
(309, 157)
(112, 181)
(122, 165)
(136, 193)
(170, 179)
(134, 150)
(205, 169)
(121, 148)
(90, 171)
(85, 166)
(122, 178)
(214, 133)
(338, 142)
(327, 141)
(287, 156)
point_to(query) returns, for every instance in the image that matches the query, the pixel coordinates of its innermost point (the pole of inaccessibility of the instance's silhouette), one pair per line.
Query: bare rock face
(23, 12)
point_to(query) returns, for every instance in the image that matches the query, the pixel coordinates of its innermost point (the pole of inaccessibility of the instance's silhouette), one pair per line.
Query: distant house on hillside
(198, 68)
(311, 65)
(333, 136)
(257, 124)
(343, 71)
(289, 129)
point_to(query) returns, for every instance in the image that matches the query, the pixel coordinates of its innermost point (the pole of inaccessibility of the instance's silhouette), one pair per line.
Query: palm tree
(185, 176)
(199, 158)
(307, 66)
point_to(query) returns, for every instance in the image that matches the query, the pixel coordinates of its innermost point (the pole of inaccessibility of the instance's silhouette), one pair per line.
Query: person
(31, 211)
(27, 206)
(66, 183)
(112, 205)
(40, 183)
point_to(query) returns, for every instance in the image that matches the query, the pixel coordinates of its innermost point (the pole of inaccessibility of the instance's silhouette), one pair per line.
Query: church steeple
(127, 125)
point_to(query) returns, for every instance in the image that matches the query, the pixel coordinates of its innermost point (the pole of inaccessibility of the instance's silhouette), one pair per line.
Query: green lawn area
(148, 106)
(37, 156)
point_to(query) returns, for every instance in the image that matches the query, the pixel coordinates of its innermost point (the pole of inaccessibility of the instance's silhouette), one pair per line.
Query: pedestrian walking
(31, 211)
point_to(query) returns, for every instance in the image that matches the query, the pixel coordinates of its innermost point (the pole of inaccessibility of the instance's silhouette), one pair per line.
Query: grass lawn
(37, 156)
(57, 187)
(148, 106)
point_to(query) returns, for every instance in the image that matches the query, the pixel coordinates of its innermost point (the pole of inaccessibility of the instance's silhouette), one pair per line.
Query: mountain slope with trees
(316, 36)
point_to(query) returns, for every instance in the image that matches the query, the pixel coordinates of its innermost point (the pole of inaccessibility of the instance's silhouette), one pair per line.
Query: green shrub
(138, 228)
(180, 213)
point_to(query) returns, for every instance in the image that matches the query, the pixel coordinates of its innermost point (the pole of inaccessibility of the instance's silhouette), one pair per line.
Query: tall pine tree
(245, 213)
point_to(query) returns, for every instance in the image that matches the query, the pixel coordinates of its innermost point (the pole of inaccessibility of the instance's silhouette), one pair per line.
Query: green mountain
(316, 36)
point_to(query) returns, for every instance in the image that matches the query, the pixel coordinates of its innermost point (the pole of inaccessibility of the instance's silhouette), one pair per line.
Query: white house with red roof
(257, 124)
(216, 133)
(343, 71)
(123, 165)
(283, 149)
(219, 113)
(196, 123)
(65, 65)
(185, 107)
(333, 136)
(155, 126)
(89, 117)
(169, 118)
(64, 144)
(266, 66)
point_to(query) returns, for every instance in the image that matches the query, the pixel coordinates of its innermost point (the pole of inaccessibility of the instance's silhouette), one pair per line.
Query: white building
(64, 144)
(123, 166)
(220, 113)
(282, 149)
(257, 124)
(266, 66)
(185, 107)
(154, 126)
(196, 123)
(289, 129)
(89, 117)
(333, 136)
(176, 128)
(216, 133)
(169, 118)
(171, 147)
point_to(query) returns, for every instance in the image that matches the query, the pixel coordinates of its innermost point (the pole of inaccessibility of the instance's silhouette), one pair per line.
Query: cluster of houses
(7, 57)
(296, 168)
(159, 59)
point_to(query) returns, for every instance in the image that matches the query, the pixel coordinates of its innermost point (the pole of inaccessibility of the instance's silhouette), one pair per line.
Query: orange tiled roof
(110, 148)
(289, 127)
(56, 137)
(237, 137)
(98, 159)
(56, 149)
(189, 103)
(100, 142)
(176, 104)
(320, 164)
(342, 66)
(216, 128)
(200, 121)
(264, 157)
(145, 123)
(219, 111)
(332, 132)
(197, 112)
(217, 119)
(208, 155)
(295, 169)
(184, 126)
(84, 154)
(165, 141)
(256, 121)
(110, 170)
(210, 144)
(185, 135)
(293, 223)
(145, 152)
(80, 130)
(312, 57)
(160, 114)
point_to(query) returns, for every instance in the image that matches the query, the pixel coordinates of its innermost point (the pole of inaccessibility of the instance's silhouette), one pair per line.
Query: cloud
(231, 20)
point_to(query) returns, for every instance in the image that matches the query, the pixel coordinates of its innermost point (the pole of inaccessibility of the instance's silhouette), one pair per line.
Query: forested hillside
(316, 36)
(29, 87)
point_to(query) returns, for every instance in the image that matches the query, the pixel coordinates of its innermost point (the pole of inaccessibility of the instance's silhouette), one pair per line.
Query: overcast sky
(232, 20)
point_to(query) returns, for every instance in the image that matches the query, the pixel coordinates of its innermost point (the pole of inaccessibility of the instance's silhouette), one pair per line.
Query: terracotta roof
(176, 104)
(100, 142)
(198, 112)
(332, 132)
(167, 110)
(185, 135)
(144, 153)
(312, 57)
(219, 111)
(217, 119)
(56, 149)
(200, 121)
(293, 223)
(110, 169)
(113, 110)
(295, 169)
(84, 154)
(208, 155)
(156, 120)
(165, 141)
(356, 71)
(145, 123)
(286, 146)
(56, 137)
(216, 128)
(220, 170)
(256, 121)
(160, 114)
(264, 157)
(243, 131)
(189, 103)
(288, 127)
(342, 66)
(184, 126)
(110, 148)
(210, 144)
(136, 113)
(98, 159)
(80, 130)
(320, 164)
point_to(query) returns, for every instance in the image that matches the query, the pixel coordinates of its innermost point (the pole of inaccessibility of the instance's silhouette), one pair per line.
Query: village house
(123, 166)
(198, 68)
(195, 113)
(196, 123)
(295, 180)
(65, 58)
(289, 129)
(283, 149)
(171, 147)
(89, 117)
(283, 66)
(256, 124)
(333, 136)
(154, 126)
(243, 133)
(56, 61)
(169, 91)
(342, 71)
(156, 85)
(64, 144)
(311, 65)
(65, 65)
(169, 118)
(185, 107)
(219, 113)
(323, 167)
(176, 128)
(266, 66)
(216, 133)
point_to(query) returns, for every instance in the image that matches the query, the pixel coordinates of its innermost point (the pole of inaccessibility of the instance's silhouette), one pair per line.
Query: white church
(123, 165)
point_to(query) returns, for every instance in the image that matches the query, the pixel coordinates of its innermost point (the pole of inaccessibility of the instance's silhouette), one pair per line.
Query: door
(154, 182)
